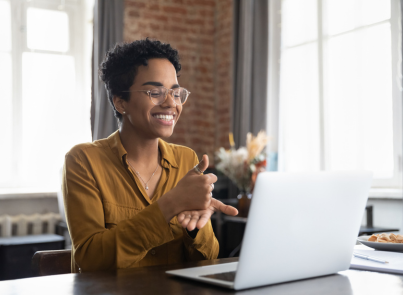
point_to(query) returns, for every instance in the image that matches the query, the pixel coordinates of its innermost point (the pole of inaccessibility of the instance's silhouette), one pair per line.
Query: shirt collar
(117, 148)
(167, 153)
(116, 145)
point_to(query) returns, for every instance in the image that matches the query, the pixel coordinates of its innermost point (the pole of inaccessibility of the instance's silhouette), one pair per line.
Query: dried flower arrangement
(243, 165)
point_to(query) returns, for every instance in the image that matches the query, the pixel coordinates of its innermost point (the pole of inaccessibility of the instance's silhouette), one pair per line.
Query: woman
(132, 199)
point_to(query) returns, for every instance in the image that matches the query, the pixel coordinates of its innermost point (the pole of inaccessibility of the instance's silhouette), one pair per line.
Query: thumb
(203, 164)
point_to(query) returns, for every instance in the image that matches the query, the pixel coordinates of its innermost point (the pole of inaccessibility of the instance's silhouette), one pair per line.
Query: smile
(166, 118)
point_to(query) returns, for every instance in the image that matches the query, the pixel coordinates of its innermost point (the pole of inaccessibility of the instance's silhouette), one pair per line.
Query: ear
(118, 102)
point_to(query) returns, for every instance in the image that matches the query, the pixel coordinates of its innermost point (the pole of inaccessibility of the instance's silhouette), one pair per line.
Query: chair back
(45, 263)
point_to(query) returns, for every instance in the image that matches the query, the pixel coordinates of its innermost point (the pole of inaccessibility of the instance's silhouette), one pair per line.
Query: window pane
(359, 101)
(299, 109)
(47, 30)
(345, 15)
(6, 121)
(5, 26)
(53, 117)
(299, 21)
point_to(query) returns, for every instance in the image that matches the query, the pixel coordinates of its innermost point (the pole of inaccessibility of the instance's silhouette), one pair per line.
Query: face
(146, 118)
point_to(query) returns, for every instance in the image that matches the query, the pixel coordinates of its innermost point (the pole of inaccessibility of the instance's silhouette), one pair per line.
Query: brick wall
(201, 30)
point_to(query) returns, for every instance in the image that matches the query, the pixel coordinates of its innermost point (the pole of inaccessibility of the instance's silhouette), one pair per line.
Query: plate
(380, 246)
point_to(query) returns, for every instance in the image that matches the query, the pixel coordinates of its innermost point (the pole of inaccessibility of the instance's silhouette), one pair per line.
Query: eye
(177, 92)
(156, 92)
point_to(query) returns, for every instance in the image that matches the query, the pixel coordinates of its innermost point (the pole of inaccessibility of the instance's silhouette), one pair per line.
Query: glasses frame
(168, 91)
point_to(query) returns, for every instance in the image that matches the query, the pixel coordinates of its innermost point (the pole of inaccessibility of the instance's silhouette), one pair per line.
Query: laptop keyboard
(224, 276)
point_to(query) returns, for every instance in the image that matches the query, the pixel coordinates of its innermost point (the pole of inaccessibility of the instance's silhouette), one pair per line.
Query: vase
(244, 200)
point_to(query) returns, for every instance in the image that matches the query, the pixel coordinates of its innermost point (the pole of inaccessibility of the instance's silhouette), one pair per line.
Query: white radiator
(23, 225)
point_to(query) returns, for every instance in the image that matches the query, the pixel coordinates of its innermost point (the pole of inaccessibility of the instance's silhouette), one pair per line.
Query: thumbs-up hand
(193, 191)
(191, 219)
(192, 198)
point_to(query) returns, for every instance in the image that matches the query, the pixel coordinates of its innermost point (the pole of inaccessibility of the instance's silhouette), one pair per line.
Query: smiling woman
(132, 199)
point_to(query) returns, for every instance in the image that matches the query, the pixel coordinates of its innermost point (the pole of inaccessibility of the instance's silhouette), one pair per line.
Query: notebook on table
(394, 265)
(300, 225)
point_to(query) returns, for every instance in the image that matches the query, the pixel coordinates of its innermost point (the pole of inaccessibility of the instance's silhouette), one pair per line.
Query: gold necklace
(138, 174)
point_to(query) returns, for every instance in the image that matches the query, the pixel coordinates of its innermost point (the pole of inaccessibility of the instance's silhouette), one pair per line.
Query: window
(340, 83)
(45, 87)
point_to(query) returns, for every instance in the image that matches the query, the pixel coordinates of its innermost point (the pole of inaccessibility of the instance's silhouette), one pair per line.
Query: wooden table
(153, 280)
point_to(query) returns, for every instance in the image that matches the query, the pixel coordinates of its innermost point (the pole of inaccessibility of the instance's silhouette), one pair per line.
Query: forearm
(168, 206)
(124, 245)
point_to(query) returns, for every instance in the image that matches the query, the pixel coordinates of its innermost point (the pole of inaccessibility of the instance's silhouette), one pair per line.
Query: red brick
(134, 13)
(154, 7)
(208, 3)
(174, 9)
(202, 32)
(135, 4)
(178, 29)
(192, 21)
(176, 19)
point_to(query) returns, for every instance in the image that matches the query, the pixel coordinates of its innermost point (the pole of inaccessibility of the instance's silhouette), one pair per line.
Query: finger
(226, 209)
(192, 223)
(203, 165)
(203, 220)
(181, 217)
(186, 221)
(210, 178)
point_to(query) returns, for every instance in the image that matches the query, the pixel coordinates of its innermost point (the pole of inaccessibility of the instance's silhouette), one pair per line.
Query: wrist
(167, 206)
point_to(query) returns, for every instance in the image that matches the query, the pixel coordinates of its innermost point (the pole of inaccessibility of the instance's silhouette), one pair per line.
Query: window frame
(75, 10)
(275, 58)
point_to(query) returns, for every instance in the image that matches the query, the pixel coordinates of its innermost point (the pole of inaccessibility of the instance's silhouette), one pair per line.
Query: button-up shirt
(112, 221)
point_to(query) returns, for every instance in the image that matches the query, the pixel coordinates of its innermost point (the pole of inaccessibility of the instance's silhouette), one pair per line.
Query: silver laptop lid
(301, 225)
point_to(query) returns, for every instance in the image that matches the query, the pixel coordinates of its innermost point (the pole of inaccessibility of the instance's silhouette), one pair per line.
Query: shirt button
(153, 252)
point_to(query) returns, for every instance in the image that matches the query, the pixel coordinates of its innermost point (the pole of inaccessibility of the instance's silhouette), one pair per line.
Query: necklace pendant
(146, 187)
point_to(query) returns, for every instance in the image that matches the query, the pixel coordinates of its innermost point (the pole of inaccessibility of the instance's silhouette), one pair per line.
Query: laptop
(300, 225)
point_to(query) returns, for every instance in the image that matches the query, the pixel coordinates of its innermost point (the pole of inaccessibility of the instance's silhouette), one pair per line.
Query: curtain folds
(108, 30)
(251, 50)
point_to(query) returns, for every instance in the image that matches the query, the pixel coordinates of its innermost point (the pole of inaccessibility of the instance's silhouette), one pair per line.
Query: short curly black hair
(119, 67)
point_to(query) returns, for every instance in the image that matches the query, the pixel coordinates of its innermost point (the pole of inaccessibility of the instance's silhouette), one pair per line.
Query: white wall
(386, 213)
(28, 205)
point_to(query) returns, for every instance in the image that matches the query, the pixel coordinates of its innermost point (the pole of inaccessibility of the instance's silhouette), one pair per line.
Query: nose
(169, 101)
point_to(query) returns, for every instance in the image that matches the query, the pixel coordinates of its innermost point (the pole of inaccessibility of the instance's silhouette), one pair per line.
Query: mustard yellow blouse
(113, 223)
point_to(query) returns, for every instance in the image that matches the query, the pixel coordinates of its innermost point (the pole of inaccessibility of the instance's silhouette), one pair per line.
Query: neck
(140, 150)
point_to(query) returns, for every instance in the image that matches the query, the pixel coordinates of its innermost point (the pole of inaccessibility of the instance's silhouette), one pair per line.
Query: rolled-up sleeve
(94, 246)
(203, 246)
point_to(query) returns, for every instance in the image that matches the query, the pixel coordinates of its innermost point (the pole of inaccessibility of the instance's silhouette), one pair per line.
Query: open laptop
(300, 225)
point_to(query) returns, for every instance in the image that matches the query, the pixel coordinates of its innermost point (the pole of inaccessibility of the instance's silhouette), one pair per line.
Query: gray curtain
(401, 41)
(108, 30)
(251, 27)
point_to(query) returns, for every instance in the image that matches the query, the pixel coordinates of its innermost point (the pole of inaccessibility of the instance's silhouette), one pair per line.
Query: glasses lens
(157, 95)
(183, 95)
(180, 95)
(177, 94)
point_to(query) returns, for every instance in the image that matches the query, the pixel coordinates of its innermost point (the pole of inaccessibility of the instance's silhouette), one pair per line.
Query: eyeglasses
(159, 95)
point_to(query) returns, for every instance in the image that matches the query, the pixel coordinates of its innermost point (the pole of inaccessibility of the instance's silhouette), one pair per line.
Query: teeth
(164, 117)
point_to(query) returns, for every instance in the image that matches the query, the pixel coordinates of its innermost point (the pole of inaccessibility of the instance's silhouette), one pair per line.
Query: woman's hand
(199, 218)
(193, 192)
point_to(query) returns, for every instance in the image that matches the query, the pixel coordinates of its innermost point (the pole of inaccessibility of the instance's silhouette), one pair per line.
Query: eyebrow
(159, 84)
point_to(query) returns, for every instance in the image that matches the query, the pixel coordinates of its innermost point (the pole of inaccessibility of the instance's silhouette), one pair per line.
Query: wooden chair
(45, 263)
